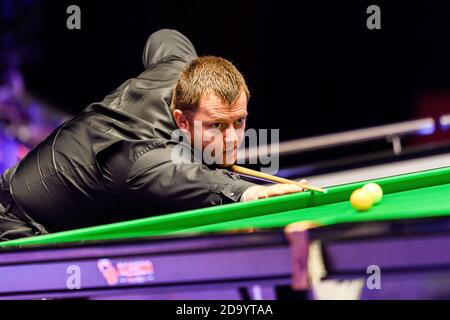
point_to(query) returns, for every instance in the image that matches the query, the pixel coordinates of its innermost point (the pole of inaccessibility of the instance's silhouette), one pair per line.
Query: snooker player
(114, 161)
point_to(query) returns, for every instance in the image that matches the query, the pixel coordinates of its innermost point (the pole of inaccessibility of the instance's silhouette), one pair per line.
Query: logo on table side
(130, 272)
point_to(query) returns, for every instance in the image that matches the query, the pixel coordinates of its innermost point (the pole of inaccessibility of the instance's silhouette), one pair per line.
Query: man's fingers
(291, 188)
(263, 194)
(259, 192)
(280, 189)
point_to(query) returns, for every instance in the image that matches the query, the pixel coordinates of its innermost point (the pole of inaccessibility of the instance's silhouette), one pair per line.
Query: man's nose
(230, 135)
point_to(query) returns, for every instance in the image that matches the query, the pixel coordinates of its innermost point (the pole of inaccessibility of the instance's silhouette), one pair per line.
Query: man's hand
(261, 192)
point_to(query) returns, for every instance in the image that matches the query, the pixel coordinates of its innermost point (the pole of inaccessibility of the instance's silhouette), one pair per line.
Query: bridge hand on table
(261, 192)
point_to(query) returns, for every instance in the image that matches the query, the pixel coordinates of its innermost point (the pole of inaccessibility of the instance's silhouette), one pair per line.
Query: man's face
(217, 128)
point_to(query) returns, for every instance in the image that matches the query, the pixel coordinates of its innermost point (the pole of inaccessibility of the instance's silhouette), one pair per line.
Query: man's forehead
(214, 108)
(225, 112)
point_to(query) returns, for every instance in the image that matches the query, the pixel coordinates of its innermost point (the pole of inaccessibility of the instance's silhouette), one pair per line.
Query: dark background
(312, 67)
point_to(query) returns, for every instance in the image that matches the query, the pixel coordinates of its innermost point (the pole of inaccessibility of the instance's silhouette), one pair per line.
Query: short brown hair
(206, 75)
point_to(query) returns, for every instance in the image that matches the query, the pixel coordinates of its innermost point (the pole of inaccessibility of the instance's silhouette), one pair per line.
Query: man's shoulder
(131, 150)
(119, 158)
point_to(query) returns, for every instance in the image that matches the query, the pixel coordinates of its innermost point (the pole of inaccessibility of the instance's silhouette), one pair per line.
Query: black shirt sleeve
(155, 178)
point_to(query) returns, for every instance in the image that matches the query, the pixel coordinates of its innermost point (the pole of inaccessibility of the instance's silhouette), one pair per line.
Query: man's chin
(225, 165)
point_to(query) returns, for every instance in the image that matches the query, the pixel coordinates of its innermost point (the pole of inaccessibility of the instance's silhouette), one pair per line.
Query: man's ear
(181, 119)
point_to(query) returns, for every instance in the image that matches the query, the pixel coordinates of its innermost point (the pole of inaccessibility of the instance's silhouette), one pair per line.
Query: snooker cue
(262, 175)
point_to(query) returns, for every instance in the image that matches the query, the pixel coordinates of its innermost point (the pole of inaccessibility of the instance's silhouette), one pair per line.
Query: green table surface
(415, 195)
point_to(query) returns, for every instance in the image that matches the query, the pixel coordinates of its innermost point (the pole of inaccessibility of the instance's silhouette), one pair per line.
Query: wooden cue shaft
(262, 175)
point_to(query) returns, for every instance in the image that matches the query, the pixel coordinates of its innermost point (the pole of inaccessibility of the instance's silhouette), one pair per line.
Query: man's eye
(240, 121)
(216, 125)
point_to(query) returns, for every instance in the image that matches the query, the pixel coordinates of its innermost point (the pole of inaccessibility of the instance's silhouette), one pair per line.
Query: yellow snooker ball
(361, 200)
(375, 190)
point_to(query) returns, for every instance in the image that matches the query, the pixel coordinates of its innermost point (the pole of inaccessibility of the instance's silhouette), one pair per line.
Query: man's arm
(155, 177)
